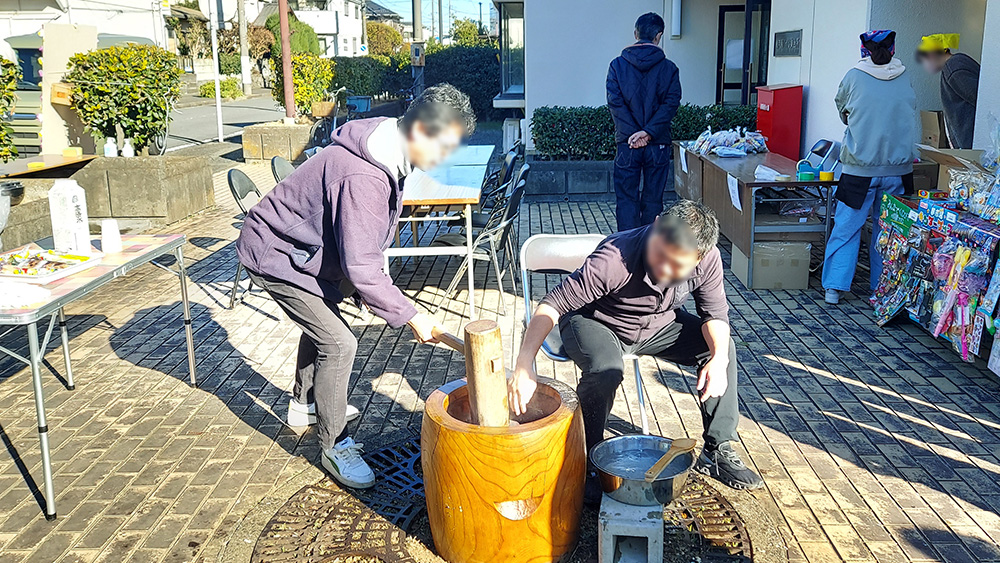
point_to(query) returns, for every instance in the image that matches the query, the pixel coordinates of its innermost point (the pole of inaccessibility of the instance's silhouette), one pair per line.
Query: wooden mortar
(511, 493)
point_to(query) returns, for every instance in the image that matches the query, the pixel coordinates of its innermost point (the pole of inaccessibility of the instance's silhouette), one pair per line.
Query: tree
(259, 40)
(383, 39)
(304, 39)
(10, 73)
(465, 33)
(311, 75)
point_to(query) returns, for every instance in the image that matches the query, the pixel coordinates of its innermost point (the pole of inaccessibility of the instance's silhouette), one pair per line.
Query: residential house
(137, 18)
(339, 24)
(724, 49)
(379, 13)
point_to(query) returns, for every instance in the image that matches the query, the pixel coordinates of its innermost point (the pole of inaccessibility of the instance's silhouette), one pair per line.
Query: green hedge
(364, 76)
(588, 133)
(574, 133)
(230, 89)
(473, 70)
(229, 63)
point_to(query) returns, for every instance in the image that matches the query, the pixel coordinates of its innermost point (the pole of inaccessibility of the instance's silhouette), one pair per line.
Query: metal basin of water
(622, 463)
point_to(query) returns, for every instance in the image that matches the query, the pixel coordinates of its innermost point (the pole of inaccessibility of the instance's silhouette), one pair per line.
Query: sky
(459, 9)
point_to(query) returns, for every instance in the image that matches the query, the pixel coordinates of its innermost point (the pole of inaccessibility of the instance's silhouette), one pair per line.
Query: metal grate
(322, 521)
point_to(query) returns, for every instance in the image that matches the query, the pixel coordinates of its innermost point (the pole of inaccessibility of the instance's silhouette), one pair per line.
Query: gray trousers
(326, 354)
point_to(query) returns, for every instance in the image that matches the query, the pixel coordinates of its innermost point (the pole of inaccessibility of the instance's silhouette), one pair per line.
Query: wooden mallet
(484, 370)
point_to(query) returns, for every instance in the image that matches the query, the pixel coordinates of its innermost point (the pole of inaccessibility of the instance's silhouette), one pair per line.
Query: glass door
(744, 35)
(732, 30)
(758, 32)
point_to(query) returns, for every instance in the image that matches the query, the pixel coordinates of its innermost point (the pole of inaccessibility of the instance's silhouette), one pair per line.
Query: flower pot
(504, 494)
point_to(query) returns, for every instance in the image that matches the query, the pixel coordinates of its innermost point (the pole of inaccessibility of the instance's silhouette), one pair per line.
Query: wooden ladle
(677, 447)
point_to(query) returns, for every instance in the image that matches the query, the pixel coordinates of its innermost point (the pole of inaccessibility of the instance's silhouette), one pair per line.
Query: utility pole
(241, 15)
(432, 20)
(286, 61)
(213, 29)
(480, 17)
(418, 39)
(441, 20)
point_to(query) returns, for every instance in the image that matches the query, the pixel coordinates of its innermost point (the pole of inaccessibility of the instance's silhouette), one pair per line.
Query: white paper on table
(734, 191)
(684, 160)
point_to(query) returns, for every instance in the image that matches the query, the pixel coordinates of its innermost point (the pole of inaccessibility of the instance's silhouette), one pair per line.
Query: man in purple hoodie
(644, 92)
(319, 237)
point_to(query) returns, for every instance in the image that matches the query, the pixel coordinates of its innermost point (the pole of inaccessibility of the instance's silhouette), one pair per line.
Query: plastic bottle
(70, 224)
(110, 147)
(127, 149)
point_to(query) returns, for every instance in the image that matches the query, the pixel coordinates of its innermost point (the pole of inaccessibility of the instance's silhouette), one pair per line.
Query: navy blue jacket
(644, 92)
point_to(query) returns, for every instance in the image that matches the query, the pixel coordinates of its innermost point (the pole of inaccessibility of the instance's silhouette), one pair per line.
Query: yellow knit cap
(938, 42)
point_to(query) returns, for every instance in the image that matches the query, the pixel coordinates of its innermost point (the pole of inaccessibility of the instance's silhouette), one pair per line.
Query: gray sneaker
(724, 464)
(832, 296)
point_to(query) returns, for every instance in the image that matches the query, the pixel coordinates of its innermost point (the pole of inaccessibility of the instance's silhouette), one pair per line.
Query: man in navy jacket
(644, 92)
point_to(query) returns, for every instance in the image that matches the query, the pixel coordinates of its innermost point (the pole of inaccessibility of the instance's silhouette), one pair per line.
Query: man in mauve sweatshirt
(319, 237)
(628, 297)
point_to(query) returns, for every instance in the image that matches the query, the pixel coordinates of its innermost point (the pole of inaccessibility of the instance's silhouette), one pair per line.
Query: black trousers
(326, 354)
(598, 351)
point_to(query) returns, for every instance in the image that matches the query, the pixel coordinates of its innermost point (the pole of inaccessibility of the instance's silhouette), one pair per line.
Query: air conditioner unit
(511, 132)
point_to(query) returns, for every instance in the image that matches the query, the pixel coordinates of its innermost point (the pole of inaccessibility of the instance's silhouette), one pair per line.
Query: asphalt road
(197, 125)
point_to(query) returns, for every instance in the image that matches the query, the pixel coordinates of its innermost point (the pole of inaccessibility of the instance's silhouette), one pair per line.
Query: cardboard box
(951, 158)
(776, 265)
(939, 216)
(925, 176)
(932, 129)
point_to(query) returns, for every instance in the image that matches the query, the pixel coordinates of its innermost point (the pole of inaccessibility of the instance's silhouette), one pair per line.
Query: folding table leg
(35, 358)
(65, 346)
(188, 333)
(468, 247)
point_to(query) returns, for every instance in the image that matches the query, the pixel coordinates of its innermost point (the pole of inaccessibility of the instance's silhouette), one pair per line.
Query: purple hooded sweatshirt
(329, 222)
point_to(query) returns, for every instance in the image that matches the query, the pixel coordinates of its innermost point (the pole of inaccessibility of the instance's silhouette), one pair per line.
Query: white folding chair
(563, 255)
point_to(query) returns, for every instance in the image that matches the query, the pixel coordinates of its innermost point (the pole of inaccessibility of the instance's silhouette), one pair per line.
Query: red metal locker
(779, 118)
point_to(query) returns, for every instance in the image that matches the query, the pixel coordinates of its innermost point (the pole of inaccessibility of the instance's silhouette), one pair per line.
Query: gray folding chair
(281, 168)
(241, 186)
(496, 235)
(563, 255)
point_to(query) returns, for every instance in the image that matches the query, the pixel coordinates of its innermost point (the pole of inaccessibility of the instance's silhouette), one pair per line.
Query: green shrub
(10, 73)
(589, 132)
(574, 133)
(229, 63)
(312, 77)
(473, 70)
(230, 89)
(127, 85)
(383, 39)
(303, 39)
(691, 120)
(364, 76)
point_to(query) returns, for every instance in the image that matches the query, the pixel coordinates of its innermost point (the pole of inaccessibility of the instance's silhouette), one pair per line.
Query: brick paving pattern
(876, 445)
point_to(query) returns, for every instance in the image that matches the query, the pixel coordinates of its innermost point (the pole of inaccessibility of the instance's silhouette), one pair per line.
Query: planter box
(579, 180)
(145, 192)
(264, 141)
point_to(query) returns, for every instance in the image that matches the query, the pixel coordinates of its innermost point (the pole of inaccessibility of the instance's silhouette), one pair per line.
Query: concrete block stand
(629, 534)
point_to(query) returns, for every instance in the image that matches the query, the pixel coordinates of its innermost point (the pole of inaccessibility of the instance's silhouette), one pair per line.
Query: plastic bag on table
(991, 157)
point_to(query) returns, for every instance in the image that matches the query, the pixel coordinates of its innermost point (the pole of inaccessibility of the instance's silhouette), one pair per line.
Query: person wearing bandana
(877, 104)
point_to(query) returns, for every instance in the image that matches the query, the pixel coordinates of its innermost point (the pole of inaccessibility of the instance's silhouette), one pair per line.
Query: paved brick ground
(876, 445)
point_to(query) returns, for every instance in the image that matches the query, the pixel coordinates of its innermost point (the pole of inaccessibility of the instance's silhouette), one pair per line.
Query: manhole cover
(323, 523)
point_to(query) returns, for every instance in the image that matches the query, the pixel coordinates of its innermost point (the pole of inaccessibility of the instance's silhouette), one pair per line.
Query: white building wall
(124, 17)
(561, 72)
(989, 78)
(924, 17)
(830, 47)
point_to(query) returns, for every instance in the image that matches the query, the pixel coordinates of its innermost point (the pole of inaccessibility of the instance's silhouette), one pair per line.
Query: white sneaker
(832, 296)
(344, 463)
(304, 414)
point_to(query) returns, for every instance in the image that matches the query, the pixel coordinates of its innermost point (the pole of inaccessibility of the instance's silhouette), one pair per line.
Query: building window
(357, 12)
(512, 47)
(347, 8)
(355, 45)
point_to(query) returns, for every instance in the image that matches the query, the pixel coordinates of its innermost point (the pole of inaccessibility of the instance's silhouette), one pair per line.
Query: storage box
(951, 158)
(932, 131)
(776, 265)
(925, 176)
